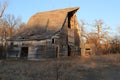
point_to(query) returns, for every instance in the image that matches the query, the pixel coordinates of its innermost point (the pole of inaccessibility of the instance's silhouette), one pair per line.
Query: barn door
(57, 52)
(24, 52)
(70, 52)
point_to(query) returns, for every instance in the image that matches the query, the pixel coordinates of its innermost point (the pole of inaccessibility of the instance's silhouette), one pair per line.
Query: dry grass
(105, 67)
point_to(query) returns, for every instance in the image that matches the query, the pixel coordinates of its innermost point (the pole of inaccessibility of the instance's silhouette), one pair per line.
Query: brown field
(106, 67)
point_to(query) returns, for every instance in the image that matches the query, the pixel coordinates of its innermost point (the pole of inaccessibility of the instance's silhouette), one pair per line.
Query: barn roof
(44, 24)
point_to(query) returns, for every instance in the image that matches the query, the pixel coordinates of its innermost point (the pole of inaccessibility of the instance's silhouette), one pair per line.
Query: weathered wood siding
(60, 43)
(13, 48)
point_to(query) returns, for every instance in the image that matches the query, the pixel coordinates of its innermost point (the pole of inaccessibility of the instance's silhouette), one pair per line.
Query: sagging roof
(44, 24)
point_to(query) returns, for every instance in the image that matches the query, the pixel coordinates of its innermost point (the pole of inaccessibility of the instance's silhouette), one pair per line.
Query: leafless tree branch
(2, 8)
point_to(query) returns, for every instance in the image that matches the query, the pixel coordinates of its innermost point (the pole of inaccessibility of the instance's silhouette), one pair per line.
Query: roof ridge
(64, 9)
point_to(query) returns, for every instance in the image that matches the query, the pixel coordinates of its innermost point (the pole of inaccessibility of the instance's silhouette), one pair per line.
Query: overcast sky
(108, 10)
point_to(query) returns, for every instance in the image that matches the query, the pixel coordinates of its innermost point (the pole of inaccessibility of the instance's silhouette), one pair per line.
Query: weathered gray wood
(50, 38)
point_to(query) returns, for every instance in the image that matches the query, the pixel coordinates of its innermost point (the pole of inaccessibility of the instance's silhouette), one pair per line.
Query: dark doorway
(57, 52)
(70, 52)
(24, 52)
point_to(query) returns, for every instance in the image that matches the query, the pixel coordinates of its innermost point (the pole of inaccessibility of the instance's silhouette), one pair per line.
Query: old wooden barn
(47, 35)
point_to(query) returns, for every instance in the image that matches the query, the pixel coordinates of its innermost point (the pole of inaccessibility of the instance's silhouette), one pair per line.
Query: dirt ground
(105, 67)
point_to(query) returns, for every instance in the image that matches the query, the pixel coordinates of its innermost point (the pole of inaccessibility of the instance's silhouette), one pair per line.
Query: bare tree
(2, 8)
(2, 23)
(3, 36)
(83, 36)
(12, 23)
(21, 27)
(115, 44)
(99, 36)
(2, 29)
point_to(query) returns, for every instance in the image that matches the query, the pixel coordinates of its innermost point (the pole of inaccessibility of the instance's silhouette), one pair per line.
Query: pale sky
(107, 10)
